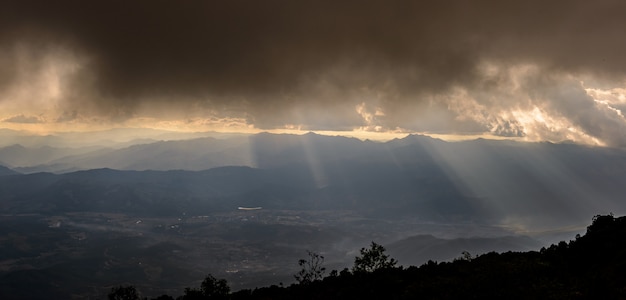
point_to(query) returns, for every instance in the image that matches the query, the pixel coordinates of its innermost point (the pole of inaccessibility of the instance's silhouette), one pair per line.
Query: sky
(528, 70)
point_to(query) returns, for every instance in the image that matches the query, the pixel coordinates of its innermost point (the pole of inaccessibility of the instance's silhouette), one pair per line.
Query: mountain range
(161, 213)
(520, 183)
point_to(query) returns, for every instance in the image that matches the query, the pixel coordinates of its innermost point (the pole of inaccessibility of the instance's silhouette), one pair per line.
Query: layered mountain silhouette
(6, 171)
(82, 219)
(550, 183)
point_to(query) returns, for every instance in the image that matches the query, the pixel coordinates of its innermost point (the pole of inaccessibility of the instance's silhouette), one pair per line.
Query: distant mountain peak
(413, 138)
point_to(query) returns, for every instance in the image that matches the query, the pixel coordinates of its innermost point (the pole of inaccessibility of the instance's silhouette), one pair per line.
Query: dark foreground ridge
(591, 266)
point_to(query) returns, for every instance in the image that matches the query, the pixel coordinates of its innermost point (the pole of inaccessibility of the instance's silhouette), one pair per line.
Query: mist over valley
(163, 213)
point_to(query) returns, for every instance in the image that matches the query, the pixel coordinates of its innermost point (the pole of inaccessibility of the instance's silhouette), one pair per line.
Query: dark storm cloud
(272, 55)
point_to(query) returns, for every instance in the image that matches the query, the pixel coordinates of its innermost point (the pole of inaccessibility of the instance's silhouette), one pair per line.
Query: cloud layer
(522, 68)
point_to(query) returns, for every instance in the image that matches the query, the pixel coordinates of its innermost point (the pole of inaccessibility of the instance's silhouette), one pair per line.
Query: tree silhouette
(124, 293)
(373, 259)
(164, 297)
(590, 267)
(210, 288)
(193, 294)
(600, 223)
(465, 256)
(214, 288)
(312, 269)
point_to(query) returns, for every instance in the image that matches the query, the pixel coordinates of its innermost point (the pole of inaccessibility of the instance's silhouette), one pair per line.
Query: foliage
(465, 256)
(210, 288)
(192, 294)
(214, 288)
(373, 259)
(312, 269)
(600, 222)
(124, 293)
(592, 266)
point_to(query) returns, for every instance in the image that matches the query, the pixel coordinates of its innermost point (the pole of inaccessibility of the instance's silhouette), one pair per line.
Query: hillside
(421, 176)
(79, 233)
(592, 266)
(6, 171)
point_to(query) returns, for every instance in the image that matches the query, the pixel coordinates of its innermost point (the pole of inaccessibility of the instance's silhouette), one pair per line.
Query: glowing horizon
(472, 79)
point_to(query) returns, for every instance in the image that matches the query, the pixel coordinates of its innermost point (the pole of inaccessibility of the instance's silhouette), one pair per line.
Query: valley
(77, 234)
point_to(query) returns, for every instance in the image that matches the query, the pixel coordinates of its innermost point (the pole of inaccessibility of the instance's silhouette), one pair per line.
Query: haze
(263, 128)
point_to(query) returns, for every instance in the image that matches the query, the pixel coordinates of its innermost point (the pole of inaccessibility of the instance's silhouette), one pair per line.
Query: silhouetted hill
(83, 231)
(336, 192)
(115, 137)
(377, 190)
(532, 185)
(417, 250)
(6, 171)
(590, 267)
(20, 156)
(195, 154)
